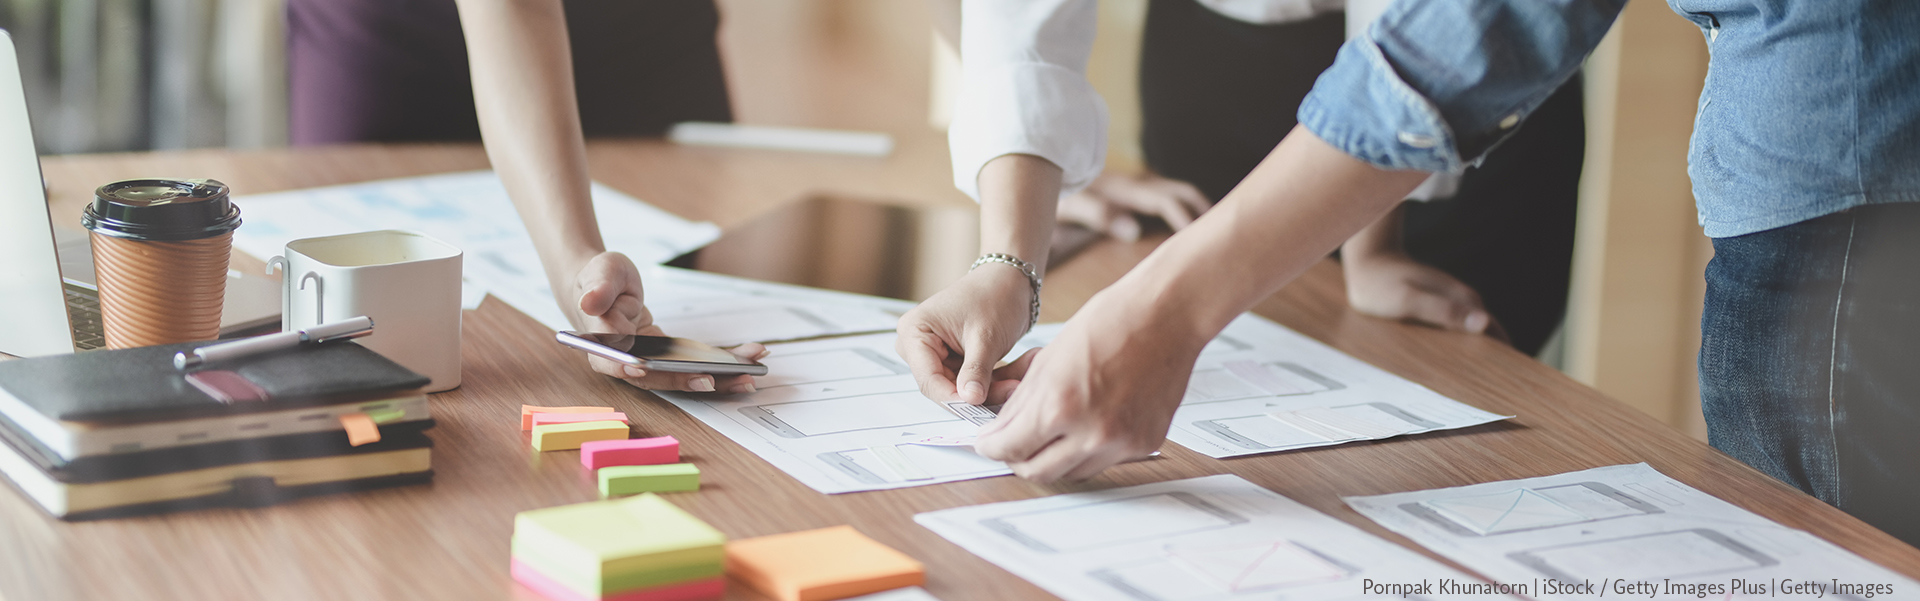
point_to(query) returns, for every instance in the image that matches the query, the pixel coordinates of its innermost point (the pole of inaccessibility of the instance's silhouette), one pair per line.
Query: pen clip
(347, 335)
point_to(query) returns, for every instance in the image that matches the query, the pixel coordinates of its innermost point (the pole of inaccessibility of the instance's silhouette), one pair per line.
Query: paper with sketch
(469, 210)
(725, 310)
(1626, 530)
(1201, 539)
(1260, 387)
(843, 415)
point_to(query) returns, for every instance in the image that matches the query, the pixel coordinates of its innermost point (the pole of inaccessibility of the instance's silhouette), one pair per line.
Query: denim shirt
(1810, 107)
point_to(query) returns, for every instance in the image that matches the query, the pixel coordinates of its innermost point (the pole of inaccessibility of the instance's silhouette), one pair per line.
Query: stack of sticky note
(562, 428)
(634, 549)
(820, 565)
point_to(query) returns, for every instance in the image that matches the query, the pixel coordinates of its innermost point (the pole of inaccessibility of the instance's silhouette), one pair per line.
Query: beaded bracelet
(1033, 277)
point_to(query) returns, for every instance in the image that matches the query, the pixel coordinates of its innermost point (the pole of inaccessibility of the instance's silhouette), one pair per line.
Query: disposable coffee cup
(160, 250)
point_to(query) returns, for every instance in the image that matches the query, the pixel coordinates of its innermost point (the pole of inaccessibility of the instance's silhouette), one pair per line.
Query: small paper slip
(544, 419)
(1259, 387)
(527, 411)
(561, 437)
(638, 451)
(1211, 538)
(360, 428)
(820, 565)
(1627, 525)
(636, 479)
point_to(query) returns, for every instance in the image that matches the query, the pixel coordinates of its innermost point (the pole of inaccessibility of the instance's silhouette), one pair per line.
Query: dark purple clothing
(396, 70)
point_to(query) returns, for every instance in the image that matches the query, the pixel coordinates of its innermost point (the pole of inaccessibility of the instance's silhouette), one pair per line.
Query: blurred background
(136, 75)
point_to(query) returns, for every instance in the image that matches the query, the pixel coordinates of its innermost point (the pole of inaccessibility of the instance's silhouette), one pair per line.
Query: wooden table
(448, 540)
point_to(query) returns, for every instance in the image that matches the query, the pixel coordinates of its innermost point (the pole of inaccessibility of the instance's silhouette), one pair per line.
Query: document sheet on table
(726, 310)
(1626, 531)
(844, 415)
(1260, 387)
(1201, 539)
(471, 211)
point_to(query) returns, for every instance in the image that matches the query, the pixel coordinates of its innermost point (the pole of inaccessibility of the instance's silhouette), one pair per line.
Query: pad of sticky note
(560, 437)
(640, 548)
(542, 419)
(820, 565)
(636, 479)
(527, 411)
(637, 451)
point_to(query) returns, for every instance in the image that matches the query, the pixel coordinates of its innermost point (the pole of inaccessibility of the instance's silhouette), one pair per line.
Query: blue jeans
(1810, 359)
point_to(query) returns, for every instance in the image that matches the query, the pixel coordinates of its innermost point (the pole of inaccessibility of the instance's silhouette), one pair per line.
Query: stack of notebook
(110, 433)
(634, 549)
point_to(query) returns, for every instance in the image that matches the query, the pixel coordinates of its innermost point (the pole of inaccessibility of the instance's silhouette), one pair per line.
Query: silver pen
(353, 327)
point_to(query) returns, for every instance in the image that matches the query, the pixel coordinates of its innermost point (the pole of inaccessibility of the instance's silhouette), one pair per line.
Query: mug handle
(319, 296)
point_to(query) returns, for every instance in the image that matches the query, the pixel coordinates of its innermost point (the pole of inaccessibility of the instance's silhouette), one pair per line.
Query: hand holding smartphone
(660, 353)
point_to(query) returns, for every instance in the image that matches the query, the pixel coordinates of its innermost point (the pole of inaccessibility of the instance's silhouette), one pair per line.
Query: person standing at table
(1802, 163)
(1219, 84)
(397, 71)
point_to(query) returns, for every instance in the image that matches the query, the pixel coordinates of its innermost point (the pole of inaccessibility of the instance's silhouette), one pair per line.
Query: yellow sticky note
(560, 437)
(527, 411)
(360, 429)
(820, 565)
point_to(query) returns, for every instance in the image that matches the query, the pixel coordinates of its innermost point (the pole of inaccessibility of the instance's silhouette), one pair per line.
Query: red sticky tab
(360, 429)
(541, 419)
(527, 411)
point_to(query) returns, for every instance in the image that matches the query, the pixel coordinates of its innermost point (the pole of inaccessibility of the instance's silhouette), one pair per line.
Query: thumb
(597, 294)
(976, 373)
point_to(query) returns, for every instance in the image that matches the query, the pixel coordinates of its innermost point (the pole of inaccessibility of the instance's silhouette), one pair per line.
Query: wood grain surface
(449, 539)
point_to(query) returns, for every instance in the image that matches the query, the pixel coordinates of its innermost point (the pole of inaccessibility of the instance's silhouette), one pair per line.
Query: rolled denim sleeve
(1433, 86)
(1024, 90)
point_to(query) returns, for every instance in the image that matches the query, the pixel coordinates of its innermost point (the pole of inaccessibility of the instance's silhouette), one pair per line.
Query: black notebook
(141, 384)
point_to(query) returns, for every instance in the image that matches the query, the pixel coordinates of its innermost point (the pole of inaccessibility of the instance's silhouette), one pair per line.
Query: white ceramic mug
(408, 282)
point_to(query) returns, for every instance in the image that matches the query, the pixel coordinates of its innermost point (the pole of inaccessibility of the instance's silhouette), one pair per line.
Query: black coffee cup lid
(162, 209)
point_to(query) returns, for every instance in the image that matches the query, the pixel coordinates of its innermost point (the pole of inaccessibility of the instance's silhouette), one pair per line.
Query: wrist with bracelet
(1027, 269)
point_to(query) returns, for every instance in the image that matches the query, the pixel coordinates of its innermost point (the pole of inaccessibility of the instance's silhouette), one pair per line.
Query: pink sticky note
(633, 451)
(572, 418)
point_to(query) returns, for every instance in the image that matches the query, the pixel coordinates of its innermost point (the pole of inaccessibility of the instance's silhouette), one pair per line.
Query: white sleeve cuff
(1032, 108)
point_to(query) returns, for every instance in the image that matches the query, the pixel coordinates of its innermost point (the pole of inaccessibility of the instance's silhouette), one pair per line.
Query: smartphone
(660, 353)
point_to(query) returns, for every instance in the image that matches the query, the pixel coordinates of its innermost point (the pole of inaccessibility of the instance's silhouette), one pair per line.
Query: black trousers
(396, 70)
(1218, 94)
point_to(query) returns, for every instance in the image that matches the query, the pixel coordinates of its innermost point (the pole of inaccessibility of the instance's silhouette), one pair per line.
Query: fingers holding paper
(953, 340)
(1094, 398)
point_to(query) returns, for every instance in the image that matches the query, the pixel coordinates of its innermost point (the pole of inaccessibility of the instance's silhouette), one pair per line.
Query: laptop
(48, 302)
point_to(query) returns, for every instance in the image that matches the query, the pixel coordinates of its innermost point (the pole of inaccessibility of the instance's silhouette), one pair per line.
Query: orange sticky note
(527, 411)
(820, 565)
(360, 429)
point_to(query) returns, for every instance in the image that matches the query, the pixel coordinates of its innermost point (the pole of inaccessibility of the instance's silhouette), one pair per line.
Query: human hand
(1113, 202)
(609, 299)
(1103, 393)
(952, 340)
(1392, 285)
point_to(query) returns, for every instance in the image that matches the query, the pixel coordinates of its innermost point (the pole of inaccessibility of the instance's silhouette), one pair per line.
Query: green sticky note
(607, 539)
(386, 415)
(634, 479)
(606, 585)
(560, 437)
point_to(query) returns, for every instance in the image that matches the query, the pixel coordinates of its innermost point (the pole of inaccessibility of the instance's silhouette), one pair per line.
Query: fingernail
(975, 391)
(742, 388)
(1477, 322)
(635, 372)
(701, 384)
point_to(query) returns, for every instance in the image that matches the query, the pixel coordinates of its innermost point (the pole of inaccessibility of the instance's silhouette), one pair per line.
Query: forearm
(523, 90)
(1381, 236)
(1018, 196)
(1294, 208)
